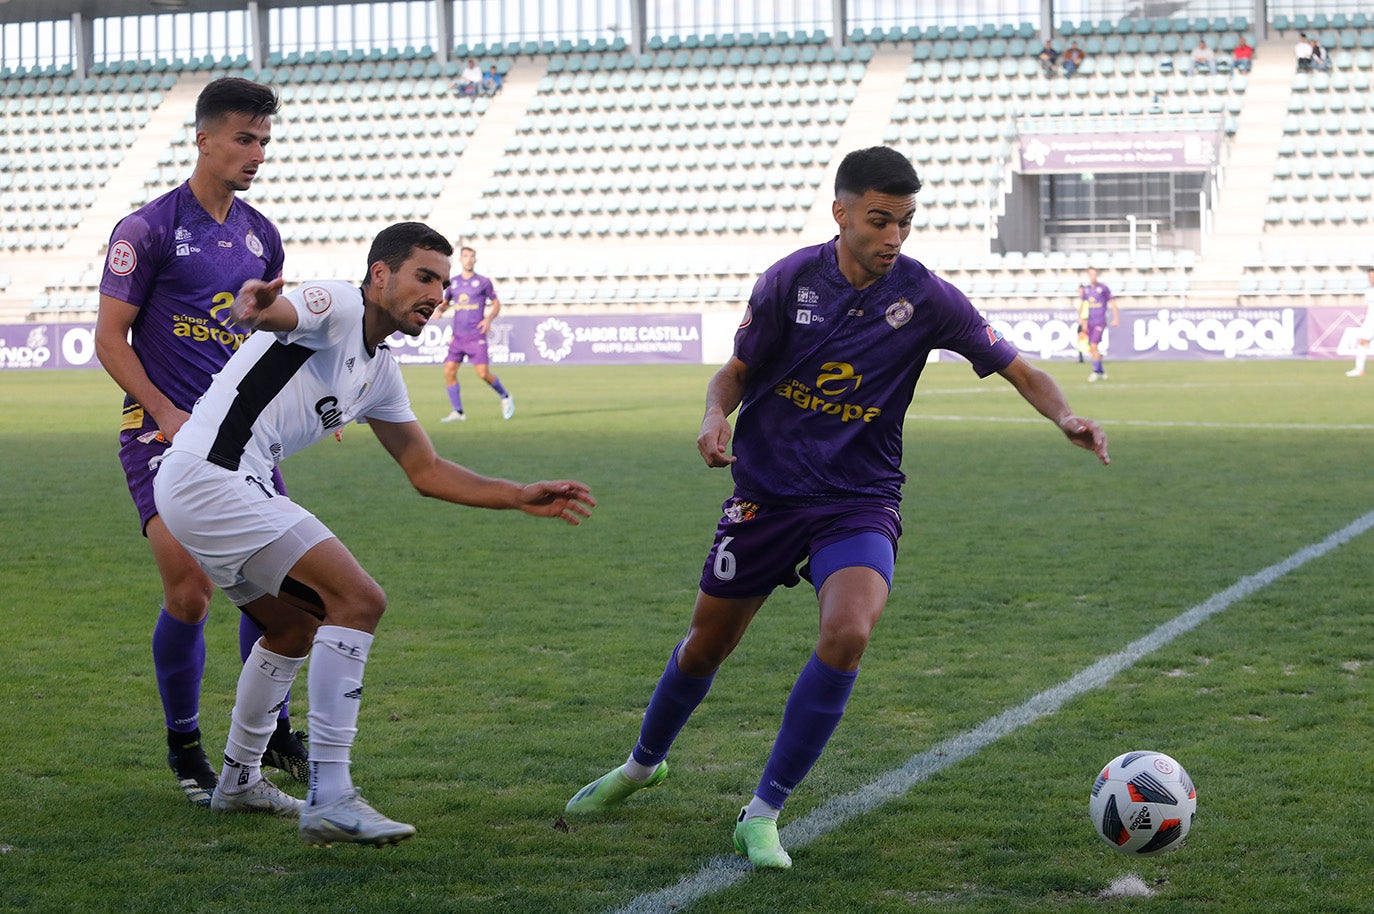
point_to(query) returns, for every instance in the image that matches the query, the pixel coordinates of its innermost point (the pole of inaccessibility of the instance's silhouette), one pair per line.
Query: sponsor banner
(607, 339)
(1050, 153)
(1333, 333)
(47, 346)
(1164, 333)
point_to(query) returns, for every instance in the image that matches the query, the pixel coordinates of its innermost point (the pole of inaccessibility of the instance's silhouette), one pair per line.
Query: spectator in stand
(1073, 58)
(1242, 55)
(1048, 58)
(491, 81)
(1204, 58)
(1319, 59)
(470, 80)
(1303, 52)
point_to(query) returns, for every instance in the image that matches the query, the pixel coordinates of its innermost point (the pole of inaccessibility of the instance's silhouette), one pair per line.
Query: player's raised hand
(565, 499)
(1088, 435)
(255, 296)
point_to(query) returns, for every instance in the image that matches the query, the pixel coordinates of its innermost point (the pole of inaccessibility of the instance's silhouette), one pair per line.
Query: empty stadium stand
(666, 181)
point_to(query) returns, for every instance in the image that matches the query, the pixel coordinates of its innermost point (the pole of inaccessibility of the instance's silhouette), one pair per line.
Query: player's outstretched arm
(1040, 390)
(435, 477)
(259, 306)
(723, 396)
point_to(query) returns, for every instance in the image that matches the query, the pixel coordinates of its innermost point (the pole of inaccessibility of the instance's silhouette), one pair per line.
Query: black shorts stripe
(277, 366)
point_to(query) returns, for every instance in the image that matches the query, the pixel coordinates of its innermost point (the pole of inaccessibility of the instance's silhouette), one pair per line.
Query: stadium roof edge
(50, 10)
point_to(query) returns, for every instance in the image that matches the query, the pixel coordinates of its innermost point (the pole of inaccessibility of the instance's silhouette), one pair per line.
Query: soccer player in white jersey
(1365, 335)
(316, 361)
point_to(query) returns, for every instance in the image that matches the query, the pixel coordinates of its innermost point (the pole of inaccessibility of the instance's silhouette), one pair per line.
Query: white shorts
(243, 533)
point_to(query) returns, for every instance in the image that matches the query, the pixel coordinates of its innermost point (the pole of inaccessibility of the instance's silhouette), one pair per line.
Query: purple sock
(1097, 366)
(455, 396)
(249, 633)
(179, 661)
(498, 387)
(814, 709)
(675, 698)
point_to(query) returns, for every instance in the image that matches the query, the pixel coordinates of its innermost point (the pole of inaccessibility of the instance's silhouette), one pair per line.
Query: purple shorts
(474, 347)
(140, 453)
(1095, 333)
(759, 547)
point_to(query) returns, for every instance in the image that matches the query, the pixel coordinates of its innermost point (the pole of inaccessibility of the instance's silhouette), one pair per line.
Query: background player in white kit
(1365, 335)
(317, 362)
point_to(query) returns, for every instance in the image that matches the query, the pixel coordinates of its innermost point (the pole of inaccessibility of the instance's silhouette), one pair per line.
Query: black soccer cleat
(187, 760)
(286, 751)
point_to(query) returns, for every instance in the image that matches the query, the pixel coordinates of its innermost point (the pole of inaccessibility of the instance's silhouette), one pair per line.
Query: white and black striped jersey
(282, 392)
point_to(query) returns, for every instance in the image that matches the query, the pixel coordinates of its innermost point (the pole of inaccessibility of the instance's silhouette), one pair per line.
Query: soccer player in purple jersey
(1094, 300)
(471, 294)
(825, 365)
(162, 332)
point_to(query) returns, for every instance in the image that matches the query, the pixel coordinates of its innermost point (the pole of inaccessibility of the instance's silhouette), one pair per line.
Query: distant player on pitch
(1094, 301)
(470, 294)
(171, 273)
(1365, 334)
(316, 361)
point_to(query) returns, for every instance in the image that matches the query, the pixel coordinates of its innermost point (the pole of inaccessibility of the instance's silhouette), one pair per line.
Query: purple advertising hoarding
(612, 339)
(1049, 153)
(574, 339)
(1165, 333)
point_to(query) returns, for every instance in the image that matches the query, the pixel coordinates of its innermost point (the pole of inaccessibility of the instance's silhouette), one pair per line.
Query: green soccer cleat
(611, 789)
(757, 838)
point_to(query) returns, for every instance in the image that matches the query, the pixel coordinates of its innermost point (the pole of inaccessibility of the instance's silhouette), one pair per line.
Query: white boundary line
(721, 872)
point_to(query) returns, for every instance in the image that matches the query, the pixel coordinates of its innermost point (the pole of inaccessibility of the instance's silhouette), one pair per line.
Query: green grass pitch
(517, 654)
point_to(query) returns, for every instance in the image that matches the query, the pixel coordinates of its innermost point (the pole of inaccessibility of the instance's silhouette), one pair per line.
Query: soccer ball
(1143, 803)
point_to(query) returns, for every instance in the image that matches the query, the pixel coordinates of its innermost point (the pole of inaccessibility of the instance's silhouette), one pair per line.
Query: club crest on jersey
(737, 510)
(251, 242)
(899, 313)
(316, 299)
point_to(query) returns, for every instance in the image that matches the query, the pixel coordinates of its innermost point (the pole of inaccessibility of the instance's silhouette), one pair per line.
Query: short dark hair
(879, 168)
(393, 245)
(233, 95)
(467, 247)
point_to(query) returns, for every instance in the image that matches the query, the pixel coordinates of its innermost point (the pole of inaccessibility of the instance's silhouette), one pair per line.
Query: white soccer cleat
(454, 416)
(264, 796)
(350, 820)
(1354, 373)
(507, 407)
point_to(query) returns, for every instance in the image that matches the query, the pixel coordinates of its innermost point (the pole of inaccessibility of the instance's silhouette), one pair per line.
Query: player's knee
(362, 608)
(188, 599)
(843, 646)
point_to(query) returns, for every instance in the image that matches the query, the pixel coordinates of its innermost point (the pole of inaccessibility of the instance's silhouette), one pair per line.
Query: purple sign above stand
(1051, 153)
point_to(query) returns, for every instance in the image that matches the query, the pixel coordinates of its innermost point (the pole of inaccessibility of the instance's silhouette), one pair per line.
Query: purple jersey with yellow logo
(468, 297)
(182, 269)
(1094, 303)
(833, 369)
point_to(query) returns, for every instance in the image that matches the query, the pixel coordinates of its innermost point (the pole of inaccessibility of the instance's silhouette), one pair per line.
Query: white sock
(1360, 360)
(757, 808)
(638, 772)
(335, 684)
(263, 685)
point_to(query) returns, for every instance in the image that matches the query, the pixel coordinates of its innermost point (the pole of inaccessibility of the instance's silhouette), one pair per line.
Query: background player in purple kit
(825, 366)
(471, 294)
(1094, 300)
(171, 274)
